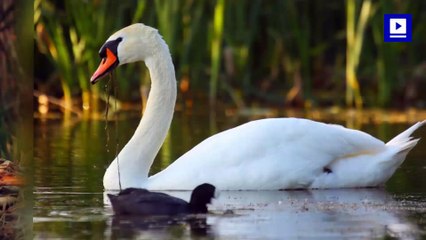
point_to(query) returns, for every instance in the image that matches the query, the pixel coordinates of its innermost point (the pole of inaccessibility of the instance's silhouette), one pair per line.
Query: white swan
(281, 153)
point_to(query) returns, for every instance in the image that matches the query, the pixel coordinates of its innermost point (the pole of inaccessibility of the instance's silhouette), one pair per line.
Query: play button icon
(397, 27)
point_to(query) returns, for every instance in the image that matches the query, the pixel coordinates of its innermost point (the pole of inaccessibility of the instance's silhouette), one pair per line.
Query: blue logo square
(397, 28)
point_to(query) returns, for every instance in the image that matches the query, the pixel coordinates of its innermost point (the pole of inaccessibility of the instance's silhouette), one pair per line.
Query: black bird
(138, 201)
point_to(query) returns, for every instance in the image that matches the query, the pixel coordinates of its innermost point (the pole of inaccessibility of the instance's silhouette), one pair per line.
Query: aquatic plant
(244, 52)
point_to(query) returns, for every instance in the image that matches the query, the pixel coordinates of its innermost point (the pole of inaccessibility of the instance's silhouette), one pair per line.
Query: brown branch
(59, 102)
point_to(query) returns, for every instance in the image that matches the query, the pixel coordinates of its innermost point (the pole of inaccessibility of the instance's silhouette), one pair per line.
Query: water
(71, 157)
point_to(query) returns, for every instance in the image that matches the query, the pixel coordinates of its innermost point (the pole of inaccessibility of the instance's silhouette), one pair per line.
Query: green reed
(301, 53)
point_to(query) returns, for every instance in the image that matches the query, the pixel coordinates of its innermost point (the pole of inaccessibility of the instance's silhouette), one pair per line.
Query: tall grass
(8, 87)
(354, 39)
(70, 36)
(216, 48)
(16, 122)
(386, 61)
(301, 53)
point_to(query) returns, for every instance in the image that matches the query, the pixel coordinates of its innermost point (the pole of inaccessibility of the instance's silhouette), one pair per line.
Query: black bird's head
(200, 197)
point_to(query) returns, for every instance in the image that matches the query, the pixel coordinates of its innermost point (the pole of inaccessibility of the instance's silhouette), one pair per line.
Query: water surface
(71, 157)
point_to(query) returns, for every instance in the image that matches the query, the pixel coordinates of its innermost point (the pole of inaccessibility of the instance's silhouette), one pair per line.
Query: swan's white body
(286, 153)
(281, 153)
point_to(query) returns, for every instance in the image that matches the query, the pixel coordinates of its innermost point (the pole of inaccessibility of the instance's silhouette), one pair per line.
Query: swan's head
(134, 43)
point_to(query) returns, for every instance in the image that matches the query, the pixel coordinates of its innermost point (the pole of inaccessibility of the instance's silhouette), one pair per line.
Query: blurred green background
(16, 115)
(242, 53)
(16, 82)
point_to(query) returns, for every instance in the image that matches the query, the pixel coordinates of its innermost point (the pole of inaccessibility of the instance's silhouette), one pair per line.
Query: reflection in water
(159, 227)
(361, 213)
(71, 157)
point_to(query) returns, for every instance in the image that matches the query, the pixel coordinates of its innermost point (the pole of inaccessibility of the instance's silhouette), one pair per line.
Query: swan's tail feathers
(404, 141)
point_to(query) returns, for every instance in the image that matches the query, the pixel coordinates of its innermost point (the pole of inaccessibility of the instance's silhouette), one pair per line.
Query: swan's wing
(265, 154)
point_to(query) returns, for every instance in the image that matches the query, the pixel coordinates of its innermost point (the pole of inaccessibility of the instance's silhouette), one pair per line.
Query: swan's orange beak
(107, 65)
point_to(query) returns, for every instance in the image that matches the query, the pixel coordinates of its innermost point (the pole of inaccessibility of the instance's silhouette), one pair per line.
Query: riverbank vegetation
(302, 54)
(16, 132)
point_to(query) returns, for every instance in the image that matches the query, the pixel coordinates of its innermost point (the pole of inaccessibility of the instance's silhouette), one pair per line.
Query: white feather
(281, 153)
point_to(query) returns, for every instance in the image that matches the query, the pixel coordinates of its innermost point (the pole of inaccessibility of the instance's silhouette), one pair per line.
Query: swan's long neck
(137, 156)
